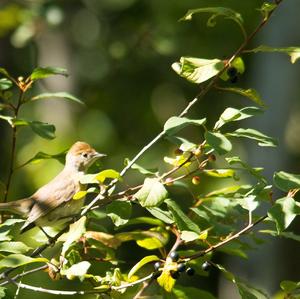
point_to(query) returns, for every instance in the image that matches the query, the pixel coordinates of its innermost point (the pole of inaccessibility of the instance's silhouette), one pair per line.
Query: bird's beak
(99, 155)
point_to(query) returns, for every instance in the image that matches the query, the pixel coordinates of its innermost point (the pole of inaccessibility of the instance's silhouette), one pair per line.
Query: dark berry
(174, 256)
(175, 274)
(181, 267)
(156, 274)
(206, 266)
(157, 265)
(232, 72)
(233, 79)
(190, 271)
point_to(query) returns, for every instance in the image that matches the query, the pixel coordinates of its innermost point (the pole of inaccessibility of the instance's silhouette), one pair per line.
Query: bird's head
(81, 156)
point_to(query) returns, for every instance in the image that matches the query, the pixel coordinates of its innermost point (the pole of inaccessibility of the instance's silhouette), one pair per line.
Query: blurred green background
(119, 55)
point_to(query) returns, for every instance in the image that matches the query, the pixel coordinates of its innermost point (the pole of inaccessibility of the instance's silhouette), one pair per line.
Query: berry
(157, 265)
(234, 79)
(156, 274)
(174, 256)
(190, 271)
(206, 266)
(175, 274)
(232, 72)
(196, 180)
(181, 267)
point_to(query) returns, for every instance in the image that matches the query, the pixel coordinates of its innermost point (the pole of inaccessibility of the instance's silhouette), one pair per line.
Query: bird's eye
(84, 155)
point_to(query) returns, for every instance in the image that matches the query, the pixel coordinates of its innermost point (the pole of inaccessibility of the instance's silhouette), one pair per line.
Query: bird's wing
(61, 189)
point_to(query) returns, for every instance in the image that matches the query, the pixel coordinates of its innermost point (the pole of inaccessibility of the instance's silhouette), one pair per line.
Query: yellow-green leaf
(166, 281)
(145, 260)
(108, 174)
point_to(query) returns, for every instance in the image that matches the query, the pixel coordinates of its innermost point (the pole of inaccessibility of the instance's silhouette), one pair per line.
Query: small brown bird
(54, 201)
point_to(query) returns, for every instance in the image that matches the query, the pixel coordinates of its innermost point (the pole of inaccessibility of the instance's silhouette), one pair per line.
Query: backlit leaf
(14, 247)
(16, 260)
(56, 95)
(5, 84)
(145, 260)
(218, 142)
(107, 174)
(286, 181)
(175, 124)
(119, 212)
(152, 194)
(219, 173)
(45, 72)
(197, 70)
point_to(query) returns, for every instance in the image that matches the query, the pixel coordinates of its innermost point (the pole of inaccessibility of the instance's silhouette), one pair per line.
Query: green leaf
(3, 294)
(219, 173)
(76, 270)
(14, 247)
(238, 64)
(248, 203)
(233, 114)
(256, 171)
(153, 239)
(5, 84)
(164, 216)
(145, 260)
(216, 12)
(181, 292)
(249, 93)
(283, 212)
(267, 8)
(218, 142)
(293, 52)
(263, 140)
(166, 281)
(17, 260)
(107, 174)
(44, 130)
(145, 220)
(58, 95)
(175, 124)
(188, 236)
(152, 194)
(40, 156)
(197, 70)
(286, 181)
(119, 212)
(181, 219)
(4, 72)
(140, 169)
(289, 286)
(288, 235)
(75, 232)
(45, 72)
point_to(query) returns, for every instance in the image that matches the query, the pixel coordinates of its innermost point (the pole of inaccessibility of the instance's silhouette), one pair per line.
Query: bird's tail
(20, 207)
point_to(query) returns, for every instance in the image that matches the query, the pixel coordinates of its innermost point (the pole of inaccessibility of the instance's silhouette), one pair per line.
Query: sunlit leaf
(197, 70)
(219, 173)
(5, 84)
(145, 220)
(76, 230)
(107, 174)
(283, 212)
(218, 142)
(175, 124)
(267, 8)
(164, 216)
(189, 236)
(45, 72)
(56, 95)
(293, 52)
(14, 247)
(262, 139)
(119, 212)
(152, 194)
(183, 222)
(227, 13)
(286, 181)
(289, 286)
(76, 270)
(166, 281)
(17, 260)
(249, 93)
(145, 260)
(249, 203)
(233, 114)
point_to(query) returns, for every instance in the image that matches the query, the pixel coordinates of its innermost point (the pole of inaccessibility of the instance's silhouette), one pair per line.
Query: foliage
(176, 235)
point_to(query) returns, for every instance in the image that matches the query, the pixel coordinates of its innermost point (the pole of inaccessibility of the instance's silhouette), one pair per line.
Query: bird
(54, 201)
